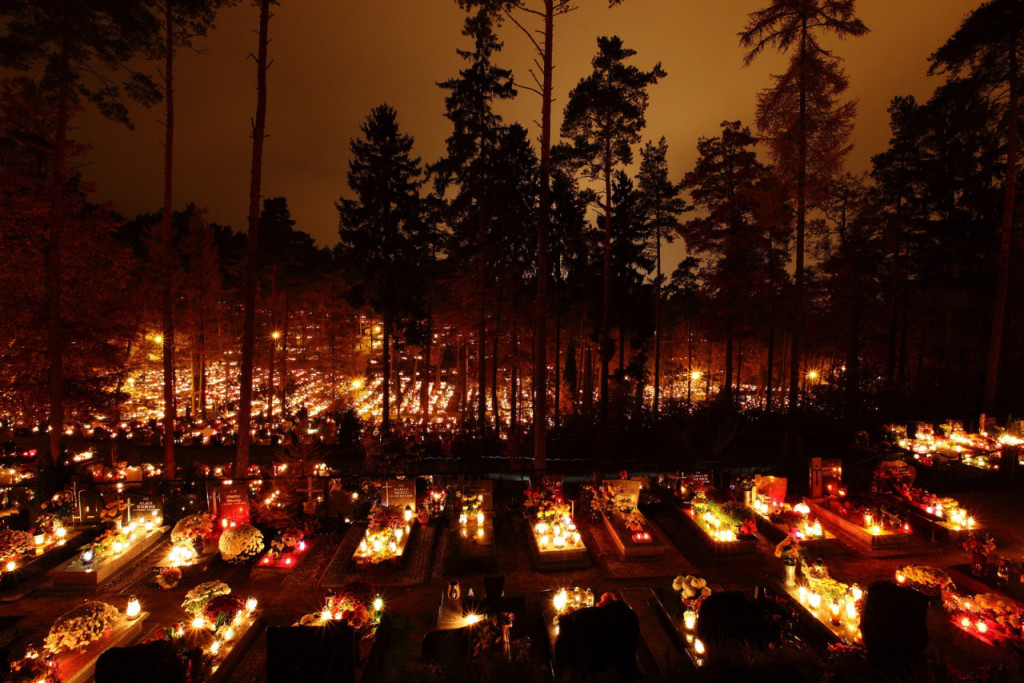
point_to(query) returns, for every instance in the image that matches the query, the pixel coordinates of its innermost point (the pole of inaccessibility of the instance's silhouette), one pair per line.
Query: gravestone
(399, 493)
(142, 508)
(231, 501)
(701, 478)
(89, 506)
(627, 491)
(311, 653)
(481, 487)
(772, 487)
(893, 623)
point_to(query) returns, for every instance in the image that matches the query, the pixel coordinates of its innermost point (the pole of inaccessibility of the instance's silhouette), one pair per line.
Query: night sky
(335, 59)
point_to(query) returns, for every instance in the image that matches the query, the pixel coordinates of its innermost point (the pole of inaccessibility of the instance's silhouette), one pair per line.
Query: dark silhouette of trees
(470, 162)
(806, 126)
(660, 208)
(79, 52)
(984, 54)
(384, 239)
(603, 120)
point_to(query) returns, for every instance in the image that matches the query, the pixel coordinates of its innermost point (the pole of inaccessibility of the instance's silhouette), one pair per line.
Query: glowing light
(198, 622)
(696, 375)
(689, 620)
(11, 566)
(698, 646)
(378, 604)
(134, 608)
(250, 604)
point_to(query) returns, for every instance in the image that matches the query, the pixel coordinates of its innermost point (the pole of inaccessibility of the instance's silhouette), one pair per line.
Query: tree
(544, 50)
(252, 246)
(985, 52)
(806, 127)
(182, 21)
(727, 234)
(660, 206)
(384, 239)
(79, 52)
(603, 120)
(471, 158)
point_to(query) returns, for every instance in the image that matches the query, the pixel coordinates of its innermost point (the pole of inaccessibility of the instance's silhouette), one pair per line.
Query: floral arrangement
(197, 598)
(168, 578)
(355, 604)
(634, 521)
(746, 482)
(15, 544)
(193, 530)
(110, 543)
(987, 613)
(925, 577)
(114, 511)
(979, 546)
(35, 668)
(386, 517)
(222, 609)
(241, 543)
(287, 541)
(546, 501)
(692, 591)
(56, 510)
(470, 505)
(77, 628)
(790, 551)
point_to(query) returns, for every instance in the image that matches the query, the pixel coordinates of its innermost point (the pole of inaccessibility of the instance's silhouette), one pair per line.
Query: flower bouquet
(979, 546)
(168, 578)
(789, 551)
(197, 598)
(193, 531)
(693, 591)
(357, 604)
(929, 580)
(222, 609)
(14, 544)
(81, 626)
(241, 543)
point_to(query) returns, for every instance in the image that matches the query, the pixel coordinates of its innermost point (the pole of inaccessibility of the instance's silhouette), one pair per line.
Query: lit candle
(134, 608)
(690, 619)
(250, 604)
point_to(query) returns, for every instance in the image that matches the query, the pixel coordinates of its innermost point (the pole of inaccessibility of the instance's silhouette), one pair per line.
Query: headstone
(232, 502)
(142, 508)
(701, 478)
(90, 505)
(311, 653)
(133, 474)
(399, 493)
(146, 663)
(480, 487)
(626, 490)
(772, 487)
(893, 623)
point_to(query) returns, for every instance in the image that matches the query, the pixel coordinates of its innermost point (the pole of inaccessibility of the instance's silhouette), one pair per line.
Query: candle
(134, 608)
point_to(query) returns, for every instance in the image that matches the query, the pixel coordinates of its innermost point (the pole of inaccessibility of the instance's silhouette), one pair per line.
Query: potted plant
(790, 552)
(979, 549)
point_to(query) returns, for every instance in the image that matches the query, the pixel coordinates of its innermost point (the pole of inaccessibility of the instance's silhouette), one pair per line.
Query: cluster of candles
(391, 541)
(561, 535)
(837, 612)
(695, 643)
(875, 526)
(285, 559)
(182, 556)
(642, 537)
(226, 632)
(957, 516)
(714, 527)
(464, 523)
(43, 542)
(378, 606)
(565, 601)
(128, 535)
(805, 529)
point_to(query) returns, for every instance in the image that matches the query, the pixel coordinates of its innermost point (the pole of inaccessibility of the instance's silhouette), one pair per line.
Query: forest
(514, 289)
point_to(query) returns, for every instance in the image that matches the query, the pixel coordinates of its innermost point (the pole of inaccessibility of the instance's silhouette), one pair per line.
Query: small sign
(232, 502)
(701, 478)
(399, 493)
(481, 487)
(142, 509)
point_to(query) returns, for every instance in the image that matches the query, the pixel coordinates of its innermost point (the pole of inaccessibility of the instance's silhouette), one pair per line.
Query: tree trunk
(249, 320)
(770, 375)
(540, 346)
(494, 367)
(481, 337)
(726, 394)
(1005, 242)
(385, 423)
(801, 223)
(170, 410)
(606, 294)
(657, 318)
(284, 358)
(55, 224)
